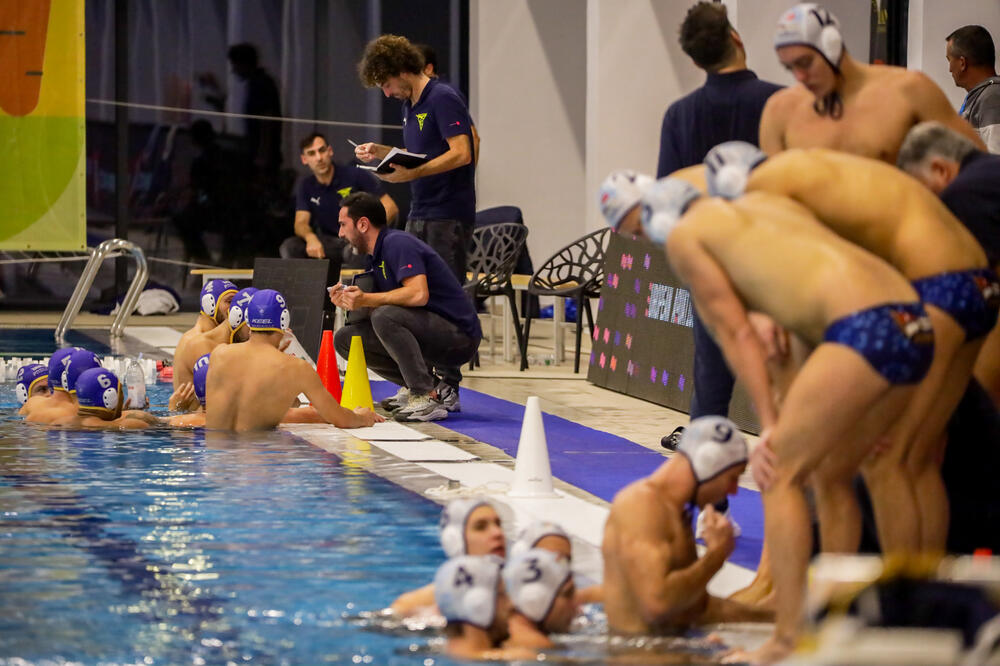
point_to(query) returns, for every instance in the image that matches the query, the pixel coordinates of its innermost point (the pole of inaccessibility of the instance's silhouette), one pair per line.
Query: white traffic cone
(532, 474)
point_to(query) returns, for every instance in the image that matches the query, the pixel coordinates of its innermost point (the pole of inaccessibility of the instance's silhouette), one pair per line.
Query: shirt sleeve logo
(420, 120)
(314, 200)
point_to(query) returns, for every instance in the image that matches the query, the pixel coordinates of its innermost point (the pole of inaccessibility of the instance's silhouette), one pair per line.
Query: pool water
(173, 547)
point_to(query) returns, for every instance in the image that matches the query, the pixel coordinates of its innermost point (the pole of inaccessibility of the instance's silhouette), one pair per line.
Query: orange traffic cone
(326, 366)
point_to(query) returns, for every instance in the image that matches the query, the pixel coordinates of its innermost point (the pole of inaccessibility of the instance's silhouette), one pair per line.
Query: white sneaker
(699, 530)
(396, 402)
(422, 407)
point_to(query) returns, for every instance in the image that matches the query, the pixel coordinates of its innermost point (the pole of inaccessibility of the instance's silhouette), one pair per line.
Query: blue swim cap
(200, 376)
(79, 361)
(99, 392)
(238, 310)
(728, 166)
(212, 293)
(663, 204)
(27, 377)
(57, 363)
(268, 312)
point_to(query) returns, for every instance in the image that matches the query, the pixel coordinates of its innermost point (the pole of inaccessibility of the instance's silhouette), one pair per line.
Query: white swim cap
(453, 521)
(728, 166)
(663, 204)
(712, 444)
(620, 192)
(465, 589)
(533, 581)
(808, 24)
(532, 534)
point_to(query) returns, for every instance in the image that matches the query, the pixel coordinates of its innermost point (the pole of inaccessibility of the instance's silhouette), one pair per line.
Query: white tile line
(581, 519)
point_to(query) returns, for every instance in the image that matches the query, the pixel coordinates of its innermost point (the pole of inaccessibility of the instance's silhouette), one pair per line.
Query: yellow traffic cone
(357, 390)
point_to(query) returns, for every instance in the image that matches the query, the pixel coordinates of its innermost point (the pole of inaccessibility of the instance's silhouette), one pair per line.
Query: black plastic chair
(496, 215)
(577, 272)
(493, 256)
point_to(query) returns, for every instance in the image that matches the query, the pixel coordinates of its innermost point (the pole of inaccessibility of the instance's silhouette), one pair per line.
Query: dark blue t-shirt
(399, 255)
(974, 198)
(427, 125)
(726, 108)
(323, 201)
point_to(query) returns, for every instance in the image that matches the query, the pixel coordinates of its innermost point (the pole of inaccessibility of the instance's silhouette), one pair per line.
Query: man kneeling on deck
(252, 385)
(654, 581)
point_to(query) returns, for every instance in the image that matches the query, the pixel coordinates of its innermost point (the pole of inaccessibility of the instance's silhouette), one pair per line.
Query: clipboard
(366, 282)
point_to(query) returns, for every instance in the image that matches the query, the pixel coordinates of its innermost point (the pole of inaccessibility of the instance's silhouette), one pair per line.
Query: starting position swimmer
(216, 297)
(654, 581)
(252, 385)
(872, 337)
(890, 214)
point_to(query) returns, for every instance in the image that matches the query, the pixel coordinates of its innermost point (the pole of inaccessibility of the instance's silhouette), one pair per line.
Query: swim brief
(896, 339)
(972, 298)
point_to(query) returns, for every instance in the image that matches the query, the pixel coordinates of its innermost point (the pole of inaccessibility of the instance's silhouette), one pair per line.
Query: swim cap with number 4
(712, 444)
(465, 589)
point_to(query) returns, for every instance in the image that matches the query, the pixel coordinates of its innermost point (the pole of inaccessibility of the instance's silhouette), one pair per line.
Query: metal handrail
(109, 248)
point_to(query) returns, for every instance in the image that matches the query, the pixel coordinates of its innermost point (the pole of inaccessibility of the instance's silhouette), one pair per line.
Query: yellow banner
(42, 125)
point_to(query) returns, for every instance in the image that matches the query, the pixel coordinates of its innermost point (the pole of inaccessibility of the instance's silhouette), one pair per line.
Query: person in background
(972, 65)
(968, 182)
(317, 204)
(431, 70)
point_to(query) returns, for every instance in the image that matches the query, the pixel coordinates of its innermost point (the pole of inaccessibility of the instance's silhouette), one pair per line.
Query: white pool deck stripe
(582, 519)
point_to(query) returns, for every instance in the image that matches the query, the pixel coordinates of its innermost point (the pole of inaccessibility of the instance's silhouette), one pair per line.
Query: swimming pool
(171, 547)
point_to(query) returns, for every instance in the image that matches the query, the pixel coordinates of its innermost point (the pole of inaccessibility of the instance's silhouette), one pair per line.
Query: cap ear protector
(831, 42)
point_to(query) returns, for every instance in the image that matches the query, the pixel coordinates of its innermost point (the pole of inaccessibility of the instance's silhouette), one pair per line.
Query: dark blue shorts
(896, 339)
(972, 298)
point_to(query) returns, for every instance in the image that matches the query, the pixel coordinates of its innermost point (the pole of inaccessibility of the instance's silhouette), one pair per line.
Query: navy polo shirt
(438, 115)
(727, 108)
(323, 201)
(974, 198)
(399, 255)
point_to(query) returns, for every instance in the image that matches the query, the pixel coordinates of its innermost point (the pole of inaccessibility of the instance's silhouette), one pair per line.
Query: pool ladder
(114, 247)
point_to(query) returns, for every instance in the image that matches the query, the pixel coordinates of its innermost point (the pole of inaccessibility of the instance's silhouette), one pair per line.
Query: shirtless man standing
(654, 581)
(890, 214)
(873, 343)
(842, 103)
(252, 385)
(216, 297)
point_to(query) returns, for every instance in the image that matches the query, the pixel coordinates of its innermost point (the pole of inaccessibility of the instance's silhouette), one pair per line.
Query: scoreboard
(643, 343)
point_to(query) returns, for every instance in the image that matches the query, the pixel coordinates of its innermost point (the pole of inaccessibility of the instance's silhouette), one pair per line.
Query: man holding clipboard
(437, 126)
(419, 317)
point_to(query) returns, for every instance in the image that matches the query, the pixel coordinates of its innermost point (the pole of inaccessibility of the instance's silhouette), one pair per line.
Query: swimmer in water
(841, 103)
(57, 399)
(654, 581)
(65, 366)
(549, 536)
(540, 586)
(32, 387)
(468, 527)
(216, 297)
(252, 385)
(469, 591)
(100, 397)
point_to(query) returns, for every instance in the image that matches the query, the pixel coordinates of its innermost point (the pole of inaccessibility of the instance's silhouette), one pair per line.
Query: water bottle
(135, 381)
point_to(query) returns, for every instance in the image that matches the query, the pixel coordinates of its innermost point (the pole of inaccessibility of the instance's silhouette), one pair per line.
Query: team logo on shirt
(344, 191)
(420, 119)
